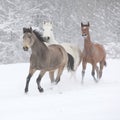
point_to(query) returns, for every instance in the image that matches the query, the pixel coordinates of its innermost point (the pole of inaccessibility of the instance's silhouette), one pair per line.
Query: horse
(44, 58)
(93, 53)
(73, 50)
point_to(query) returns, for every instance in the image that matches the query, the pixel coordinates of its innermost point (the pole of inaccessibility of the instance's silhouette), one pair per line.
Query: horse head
(85, 29)
(47, 30)
(27, 38)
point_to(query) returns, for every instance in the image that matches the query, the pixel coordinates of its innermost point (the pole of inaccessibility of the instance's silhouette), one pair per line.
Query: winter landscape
(69, 100)
(66, 15)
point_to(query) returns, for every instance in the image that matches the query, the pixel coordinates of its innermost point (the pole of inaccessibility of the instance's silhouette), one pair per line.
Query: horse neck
(87, 42)
(38, 47)
(52, 39)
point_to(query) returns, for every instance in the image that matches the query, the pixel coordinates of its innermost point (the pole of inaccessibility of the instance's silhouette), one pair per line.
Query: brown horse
(93, 53)
(43, 58)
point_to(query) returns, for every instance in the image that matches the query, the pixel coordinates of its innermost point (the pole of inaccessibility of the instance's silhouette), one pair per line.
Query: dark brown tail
(70, 65)
(105, 64)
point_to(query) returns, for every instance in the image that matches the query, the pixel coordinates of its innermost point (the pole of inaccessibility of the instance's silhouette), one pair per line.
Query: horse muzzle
(46, 39)
(25, 48)
(84, 35)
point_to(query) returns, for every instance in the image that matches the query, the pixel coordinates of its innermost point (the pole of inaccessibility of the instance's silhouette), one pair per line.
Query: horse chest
(88, 55)
(89, 52)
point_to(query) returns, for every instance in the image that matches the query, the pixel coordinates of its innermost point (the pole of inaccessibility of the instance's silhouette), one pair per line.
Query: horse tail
(70, 64)
(105, 64)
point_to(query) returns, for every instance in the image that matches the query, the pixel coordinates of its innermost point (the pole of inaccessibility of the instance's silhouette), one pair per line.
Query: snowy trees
(104, 16)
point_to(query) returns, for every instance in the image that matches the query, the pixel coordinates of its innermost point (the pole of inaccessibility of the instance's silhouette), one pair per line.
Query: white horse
(73, 50)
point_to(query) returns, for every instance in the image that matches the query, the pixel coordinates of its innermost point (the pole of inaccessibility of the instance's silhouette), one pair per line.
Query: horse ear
(30, 29)
(88, 24)
(81, 24)
(24, 29)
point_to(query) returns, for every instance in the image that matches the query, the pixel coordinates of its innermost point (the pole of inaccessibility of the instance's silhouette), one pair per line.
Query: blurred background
(66, 15)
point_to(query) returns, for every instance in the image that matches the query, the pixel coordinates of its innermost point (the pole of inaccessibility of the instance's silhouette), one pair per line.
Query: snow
(69, 100)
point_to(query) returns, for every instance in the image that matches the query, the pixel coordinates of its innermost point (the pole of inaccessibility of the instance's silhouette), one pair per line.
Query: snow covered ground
(69, 100)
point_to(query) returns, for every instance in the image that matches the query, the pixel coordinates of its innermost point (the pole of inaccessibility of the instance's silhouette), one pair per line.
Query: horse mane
(39, 35)
(26, 30)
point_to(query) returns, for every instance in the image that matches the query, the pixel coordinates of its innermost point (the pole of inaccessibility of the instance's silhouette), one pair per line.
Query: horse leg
(97, 71)
(31, 72)
(60, 70)
(93, 72)
(83, 70)
(51, 74)
(39, 79)
(80, 57)
(101, 68)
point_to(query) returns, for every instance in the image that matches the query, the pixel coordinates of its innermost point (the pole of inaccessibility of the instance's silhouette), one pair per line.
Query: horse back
(99, 51)
(58, 54)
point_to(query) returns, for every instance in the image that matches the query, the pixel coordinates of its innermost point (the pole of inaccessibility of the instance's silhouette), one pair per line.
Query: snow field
(67, 100)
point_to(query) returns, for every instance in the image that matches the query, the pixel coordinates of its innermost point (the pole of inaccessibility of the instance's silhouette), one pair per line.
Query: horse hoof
(96, 81)
(41, 90)
(53, 83)
(26, 90)
(56, 82)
